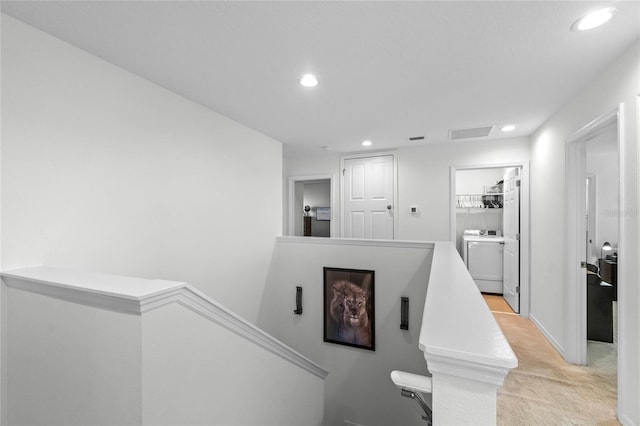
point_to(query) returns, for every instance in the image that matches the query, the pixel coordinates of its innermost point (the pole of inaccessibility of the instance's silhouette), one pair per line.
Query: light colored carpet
(546, 390)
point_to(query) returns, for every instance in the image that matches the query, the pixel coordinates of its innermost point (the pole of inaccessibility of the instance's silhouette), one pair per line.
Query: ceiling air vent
(476, 132)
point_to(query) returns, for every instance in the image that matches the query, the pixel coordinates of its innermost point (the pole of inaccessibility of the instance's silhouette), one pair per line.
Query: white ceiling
(388, 70)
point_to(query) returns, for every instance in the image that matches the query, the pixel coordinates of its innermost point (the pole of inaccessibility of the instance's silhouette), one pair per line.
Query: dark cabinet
(600, 297)
(307, 226)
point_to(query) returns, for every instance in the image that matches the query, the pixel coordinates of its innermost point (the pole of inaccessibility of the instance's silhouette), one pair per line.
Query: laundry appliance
(483, 257)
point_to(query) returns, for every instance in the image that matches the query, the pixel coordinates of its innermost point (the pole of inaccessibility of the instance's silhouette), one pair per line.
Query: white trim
(468, 370)
(335, 220)
(356, 242)
(594, 125)
(525, 223)
(370, 154)
(64, 285)
(471, 340)
(575, 279)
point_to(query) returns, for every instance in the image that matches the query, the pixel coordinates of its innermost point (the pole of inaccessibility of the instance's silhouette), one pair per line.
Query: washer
(483, 256)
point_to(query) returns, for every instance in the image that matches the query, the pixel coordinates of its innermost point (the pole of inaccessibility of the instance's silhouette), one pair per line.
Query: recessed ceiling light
(508, 128)
(327, 148)
(366, 143)
(593, 19)
(309, 80)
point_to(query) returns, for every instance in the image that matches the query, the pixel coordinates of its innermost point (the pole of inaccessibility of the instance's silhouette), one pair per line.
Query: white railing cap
(458, 331)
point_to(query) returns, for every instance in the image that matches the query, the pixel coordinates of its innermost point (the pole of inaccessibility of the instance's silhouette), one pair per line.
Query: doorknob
(389, 207)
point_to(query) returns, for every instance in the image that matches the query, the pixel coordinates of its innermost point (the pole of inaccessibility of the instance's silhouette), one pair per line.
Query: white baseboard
(548, 335)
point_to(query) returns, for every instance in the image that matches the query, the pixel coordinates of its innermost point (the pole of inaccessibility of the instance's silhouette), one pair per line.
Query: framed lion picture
(349, 307)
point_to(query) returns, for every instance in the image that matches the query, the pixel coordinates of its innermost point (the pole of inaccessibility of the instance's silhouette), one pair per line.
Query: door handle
(389, 207)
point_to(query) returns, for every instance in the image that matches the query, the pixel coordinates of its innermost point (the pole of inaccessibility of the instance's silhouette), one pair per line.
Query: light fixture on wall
(605, 247)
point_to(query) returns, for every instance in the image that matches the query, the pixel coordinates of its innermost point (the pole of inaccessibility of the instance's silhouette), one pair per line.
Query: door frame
(371, 154)
(575, 350)
(335, 221)
(525, 231)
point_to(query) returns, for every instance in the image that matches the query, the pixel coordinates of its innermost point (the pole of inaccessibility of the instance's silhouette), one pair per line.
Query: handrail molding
(136, 296)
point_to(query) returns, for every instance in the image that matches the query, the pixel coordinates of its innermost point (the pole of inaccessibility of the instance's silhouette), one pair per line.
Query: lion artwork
(348, 309)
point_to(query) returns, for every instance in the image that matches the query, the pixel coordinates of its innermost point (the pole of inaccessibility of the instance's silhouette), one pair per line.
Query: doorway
(593, 232)
(602, 246)
(311, 206)
(477, 203)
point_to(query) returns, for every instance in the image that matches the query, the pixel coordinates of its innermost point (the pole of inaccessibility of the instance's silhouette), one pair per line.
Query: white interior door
(511, 231)
(368, 197)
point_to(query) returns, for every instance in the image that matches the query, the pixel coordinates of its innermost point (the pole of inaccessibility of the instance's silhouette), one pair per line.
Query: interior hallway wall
(618, 84)
(423, 179)
(358, 388)
(105, 171)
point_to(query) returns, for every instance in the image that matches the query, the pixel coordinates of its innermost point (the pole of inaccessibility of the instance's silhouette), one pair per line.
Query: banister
(138, 295)
(463, 345)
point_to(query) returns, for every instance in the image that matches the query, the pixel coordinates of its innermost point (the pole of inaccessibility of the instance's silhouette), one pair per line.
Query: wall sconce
(404, 313)
(605, 247)
(298, 310)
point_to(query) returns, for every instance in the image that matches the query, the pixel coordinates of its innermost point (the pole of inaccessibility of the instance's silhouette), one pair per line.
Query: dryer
(483, 257)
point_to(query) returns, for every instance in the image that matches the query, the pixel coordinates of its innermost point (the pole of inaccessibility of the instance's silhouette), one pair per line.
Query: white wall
(69, 364)
(605, 168)
(474, 181)
(358, 388)
(212, 376)
(105, 171)
(618, 84)
(423, 179)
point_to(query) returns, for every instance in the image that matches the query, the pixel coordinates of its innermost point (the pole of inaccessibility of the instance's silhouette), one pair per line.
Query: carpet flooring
(546, 390)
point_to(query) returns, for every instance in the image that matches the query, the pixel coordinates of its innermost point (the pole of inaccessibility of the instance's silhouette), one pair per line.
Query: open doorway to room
(311, 203)
(602, 248)
(593, 201)
(489, 226)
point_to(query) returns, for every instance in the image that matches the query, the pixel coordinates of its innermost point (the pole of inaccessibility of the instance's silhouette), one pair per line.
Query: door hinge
(583, 265)
(517, 289)
(518, 182)
(343, 170)
(518, 236)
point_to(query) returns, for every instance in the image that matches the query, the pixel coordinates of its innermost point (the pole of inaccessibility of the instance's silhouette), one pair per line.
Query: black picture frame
(349, 307)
